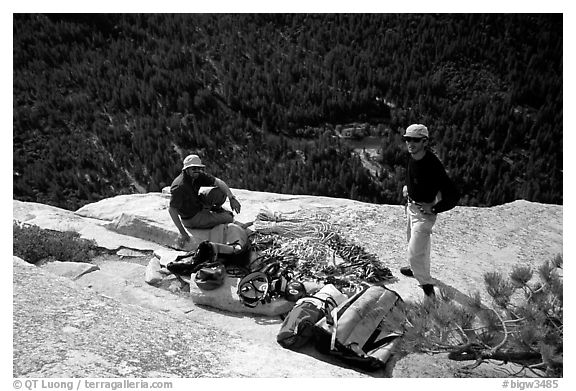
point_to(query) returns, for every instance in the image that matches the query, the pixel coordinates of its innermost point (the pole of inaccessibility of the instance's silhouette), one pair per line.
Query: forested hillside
(110, 104)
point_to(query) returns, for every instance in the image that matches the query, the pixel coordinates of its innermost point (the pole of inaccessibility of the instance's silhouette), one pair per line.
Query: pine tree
(524, 324)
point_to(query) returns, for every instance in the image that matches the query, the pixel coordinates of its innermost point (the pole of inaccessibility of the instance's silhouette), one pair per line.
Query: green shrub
(33, 244)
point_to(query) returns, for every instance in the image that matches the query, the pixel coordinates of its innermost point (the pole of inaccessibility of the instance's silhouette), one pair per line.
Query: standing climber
(429, 191)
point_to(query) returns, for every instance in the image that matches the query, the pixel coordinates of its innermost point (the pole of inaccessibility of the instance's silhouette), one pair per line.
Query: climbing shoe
(429, 290)
(206, 252)
(406, 271)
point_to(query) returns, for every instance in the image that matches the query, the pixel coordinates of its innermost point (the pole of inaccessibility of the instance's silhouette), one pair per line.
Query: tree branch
(503, 342)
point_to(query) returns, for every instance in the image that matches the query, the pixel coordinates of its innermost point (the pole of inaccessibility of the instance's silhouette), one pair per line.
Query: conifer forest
(108, 104)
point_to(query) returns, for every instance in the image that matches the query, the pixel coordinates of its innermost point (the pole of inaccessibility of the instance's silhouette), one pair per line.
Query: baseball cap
(416, 130)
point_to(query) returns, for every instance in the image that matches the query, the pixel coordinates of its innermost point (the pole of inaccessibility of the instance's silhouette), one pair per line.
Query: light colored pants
(235, 239)
(419, 231)
(207, 218)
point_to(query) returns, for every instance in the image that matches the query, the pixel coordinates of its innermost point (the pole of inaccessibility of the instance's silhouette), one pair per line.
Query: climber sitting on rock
(192, 208)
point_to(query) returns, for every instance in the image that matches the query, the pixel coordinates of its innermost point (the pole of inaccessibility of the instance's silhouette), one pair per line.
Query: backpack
(357, 332)
(298, 326)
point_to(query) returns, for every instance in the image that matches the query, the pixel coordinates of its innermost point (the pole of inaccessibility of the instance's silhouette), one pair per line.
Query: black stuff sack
(210, 276)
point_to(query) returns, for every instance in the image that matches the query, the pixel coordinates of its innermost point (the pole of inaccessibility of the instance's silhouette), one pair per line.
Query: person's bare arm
(234, 204)
(184, 237)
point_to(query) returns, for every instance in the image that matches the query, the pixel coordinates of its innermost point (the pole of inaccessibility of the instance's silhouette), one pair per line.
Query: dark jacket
(425, 178)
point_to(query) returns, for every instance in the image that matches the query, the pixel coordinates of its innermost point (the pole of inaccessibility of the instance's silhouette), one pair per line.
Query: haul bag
(357, 332)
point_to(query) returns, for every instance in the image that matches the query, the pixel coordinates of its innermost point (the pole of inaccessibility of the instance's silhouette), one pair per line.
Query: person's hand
(235, 205)
(183, 239)
(405, 191)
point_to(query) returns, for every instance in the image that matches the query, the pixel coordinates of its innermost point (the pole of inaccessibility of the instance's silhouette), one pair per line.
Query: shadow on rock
(457, 295)
(258, 319)
(310, 350)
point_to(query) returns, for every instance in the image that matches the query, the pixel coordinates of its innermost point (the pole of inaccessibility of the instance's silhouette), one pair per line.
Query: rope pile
(311, 249)
(313, 225)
